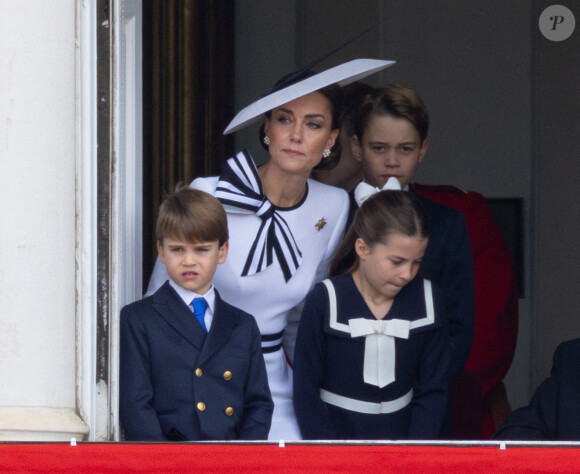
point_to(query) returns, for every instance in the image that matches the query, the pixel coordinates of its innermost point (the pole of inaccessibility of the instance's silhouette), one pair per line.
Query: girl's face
(388, 267)
(390, 147)
(299, 132)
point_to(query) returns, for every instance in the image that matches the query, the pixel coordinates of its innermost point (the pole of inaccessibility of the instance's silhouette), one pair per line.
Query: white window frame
(98, 402)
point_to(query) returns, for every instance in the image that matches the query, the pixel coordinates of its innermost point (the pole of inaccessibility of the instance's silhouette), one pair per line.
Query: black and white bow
(240, 191)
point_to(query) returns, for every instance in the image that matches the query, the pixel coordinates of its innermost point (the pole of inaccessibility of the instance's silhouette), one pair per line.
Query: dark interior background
(503, 100)
(188, 91)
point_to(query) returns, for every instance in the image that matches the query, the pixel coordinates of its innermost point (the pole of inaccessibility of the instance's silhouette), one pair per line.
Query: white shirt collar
(187, 296)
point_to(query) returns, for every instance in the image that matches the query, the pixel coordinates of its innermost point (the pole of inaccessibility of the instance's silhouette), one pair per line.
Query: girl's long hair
(383, 214)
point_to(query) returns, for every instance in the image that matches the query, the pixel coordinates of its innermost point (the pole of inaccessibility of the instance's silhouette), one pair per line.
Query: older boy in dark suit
(390, 140)
(191, 364)
(479, 401)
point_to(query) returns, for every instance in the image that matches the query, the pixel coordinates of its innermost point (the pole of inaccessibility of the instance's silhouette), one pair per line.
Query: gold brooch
(321, 223)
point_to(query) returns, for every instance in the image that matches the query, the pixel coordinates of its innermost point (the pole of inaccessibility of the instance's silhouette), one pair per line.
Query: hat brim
(342, 75)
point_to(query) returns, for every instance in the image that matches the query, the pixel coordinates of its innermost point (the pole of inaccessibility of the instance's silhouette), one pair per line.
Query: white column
(37, 211)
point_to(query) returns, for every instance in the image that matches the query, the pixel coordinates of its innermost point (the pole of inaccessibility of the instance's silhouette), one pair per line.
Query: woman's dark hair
(396, 101)
(381, 215)
(334, 95)
(353, 96)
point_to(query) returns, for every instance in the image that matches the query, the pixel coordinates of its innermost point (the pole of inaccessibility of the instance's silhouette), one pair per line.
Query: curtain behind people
(188, 67)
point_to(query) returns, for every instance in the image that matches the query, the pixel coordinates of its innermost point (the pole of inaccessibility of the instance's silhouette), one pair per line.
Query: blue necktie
(199, 307)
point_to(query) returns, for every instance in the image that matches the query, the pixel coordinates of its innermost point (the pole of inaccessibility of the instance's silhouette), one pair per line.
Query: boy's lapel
(173, 310)
(222, 325)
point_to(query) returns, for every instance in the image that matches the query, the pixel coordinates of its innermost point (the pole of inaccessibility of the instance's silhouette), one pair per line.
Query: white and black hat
(304, 82)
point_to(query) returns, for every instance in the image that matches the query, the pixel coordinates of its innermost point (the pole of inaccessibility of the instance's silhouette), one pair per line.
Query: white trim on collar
(333, 316)
(380, 351)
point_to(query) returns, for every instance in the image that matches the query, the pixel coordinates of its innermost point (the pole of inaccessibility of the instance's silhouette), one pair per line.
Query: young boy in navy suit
(191, 364)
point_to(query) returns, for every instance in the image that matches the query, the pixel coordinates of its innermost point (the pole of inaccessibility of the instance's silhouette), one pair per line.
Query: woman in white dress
(284, 227)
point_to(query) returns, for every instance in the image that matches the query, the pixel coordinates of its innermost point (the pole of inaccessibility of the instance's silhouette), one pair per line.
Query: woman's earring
(326, 153)
(266, 140)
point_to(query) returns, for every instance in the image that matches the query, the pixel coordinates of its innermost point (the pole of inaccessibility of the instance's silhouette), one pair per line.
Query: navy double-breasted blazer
(554, 412)
(177, 383)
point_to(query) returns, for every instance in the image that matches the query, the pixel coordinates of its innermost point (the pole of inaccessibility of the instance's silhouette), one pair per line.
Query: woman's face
(389, 147)
(299, 132)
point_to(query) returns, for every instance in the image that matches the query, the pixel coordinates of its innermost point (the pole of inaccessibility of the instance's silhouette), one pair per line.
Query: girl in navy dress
(373, 351)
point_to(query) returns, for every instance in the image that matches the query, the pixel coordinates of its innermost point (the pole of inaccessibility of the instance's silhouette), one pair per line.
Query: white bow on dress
(379, 360)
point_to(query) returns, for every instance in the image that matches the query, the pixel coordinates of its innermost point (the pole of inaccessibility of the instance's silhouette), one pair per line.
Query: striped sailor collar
(420, 312)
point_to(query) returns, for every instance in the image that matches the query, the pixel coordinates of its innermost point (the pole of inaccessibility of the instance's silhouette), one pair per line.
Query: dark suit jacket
(449, 263)
(477, 401)
(554, 412)
(177, 383)
(496, 305)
